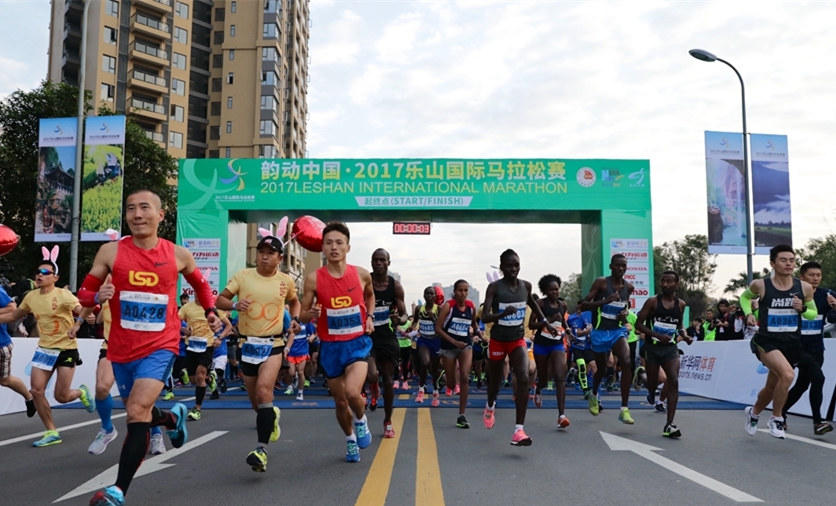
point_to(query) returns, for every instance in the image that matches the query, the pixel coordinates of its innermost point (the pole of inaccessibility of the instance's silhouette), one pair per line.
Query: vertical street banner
(56, 168)
(637, 251)
(726, 191)
(770, 191)
(101, 184)
(207, 257)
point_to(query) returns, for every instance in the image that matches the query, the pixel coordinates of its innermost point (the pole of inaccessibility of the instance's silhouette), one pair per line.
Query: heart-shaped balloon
(307, 231)
(8, 240)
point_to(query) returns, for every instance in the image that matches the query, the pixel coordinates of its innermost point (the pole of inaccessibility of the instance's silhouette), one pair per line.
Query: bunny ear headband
(51, 256)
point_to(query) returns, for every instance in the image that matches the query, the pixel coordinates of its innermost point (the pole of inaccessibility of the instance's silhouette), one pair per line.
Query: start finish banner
(403, 184)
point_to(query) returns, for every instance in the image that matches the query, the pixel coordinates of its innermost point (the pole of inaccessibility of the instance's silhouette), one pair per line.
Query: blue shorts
(434, 345)
(336, 356)
(540, 349)
(602, 341)
(155, 366)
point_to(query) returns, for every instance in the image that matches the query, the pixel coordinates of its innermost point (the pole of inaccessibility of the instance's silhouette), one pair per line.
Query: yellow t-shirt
(54, 312)
(195, 317)
(267, 295)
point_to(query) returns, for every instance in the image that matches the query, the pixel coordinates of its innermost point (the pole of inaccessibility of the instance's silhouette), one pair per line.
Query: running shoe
(257, 459)
(157, 444)
(457, 390)
(776, 428)
(168, 395)
(405, 385)
(215, 396)
(659, 407)
(538, 399)
(651, 398)
(819, 429)
(179, 435)
(194, 414)
(671, 431)
(352, 452)
(520, 438)
(213, 381)
(550, 386)
(103, 438)
(751, 422)
(222, 385)
(594, 405)
(277, 431)
(436, 401)
(488, 418)
(86, 399)
(388, 430)
(637, 377)
(288, 390)
(184, 376)
(586, 393)
(625, 417)
(364, 436)
(111, 496)
(462, 423)
(374, 389)
(396, 385)
(51, 437)
(30, 408)
(307, 383)
(373, 403)
(300, 395)
(563, 422)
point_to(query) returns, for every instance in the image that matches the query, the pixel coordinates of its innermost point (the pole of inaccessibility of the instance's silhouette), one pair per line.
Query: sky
(538, 79)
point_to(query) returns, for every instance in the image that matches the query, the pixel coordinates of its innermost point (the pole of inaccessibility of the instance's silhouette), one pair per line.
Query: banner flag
(101, 185)
(56, 167)
(726, 190)
(770, 192)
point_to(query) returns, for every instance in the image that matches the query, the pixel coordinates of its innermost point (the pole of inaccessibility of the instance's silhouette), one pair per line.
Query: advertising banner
(638, 268)
(207, 257)
(101, 185)
(770, 191)
(726, 190)
(56, 168)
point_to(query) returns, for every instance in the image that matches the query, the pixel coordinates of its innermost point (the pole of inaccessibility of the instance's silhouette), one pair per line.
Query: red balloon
(439, 295)
(307, 231)
(8, 240)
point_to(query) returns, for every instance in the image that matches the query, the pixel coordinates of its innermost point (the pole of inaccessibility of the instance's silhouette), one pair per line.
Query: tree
(736, 285)
(571, 289)
(822, 251)
(695, 266)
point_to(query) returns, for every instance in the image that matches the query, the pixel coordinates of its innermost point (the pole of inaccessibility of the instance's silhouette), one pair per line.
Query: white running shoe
(103, 438)
(157, 444)
(751, 422)
(776, 428)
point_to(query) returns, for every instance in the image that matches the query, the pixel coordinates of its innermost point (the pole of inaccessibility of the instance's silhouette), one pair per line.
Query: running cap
(272, 242)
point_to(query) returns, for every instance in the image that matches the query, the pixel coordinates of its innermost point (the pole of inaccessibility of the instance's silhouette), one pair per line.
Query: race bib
(381, 316)
(782, 320)
(197, 344)
(459, 327)
(668, 329)
(344, 321)
(512, 320)
(143, 311)
(812, 327)
(426, 328)
(256, 349)
(611, 310)
(548, 335)
(45, 358)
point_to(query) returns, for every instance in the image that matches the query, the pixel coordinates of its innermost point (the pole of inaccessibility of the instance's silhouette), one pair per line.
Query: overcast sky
(481, 79)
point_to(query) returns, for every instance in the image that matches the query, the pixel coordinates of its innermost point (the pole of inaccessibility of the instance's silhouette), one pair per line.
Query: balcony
(151, 26)
(148, 81)
(156, 137)
(147, 109)
(149, 53)
(157, 5)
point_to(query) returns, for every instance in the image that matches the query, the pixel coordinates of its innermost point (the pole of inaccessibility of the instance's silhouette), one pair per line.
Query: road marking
(617, 443)
(816, 442)
(427, 472)
(108, 476)
(403, 397)
(379, 477)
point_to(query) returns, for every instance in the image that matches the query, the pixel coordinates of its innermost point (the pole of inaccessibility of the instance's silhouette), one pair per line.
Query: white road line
(815, 442)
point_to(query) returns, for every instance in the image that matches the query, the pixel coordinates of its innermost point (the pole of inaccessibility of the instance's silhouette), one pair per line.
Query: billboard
(54, 187)
(770, 191)
(101, 184)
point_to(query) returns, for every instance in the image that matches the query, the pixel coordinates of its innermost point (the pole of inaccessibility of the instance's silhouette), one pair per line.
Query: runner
(777, 343)
(139, 274)
(405, 366)
(812, 333)
(456, 324)
(7, 306)
(342, 292)
(262, 293)
(660, 320)
(505, 303)
(429, 344)
(389, 312)
(580, 324)
(608, 298)
(549, 350)
(54, 309)
(298, 356)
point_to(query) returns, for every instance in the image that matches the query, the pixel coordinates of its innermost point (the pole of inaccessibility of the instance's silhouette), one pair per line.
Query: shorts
(248, 369)
(155, 366)
(498, 350)
(386, 349)
(67, 358)
(790, 348)
(586, 355)
(102, 353)
(336, 356)
(540, 349)
(454, 352)
(434, 345)
(220, 362)
(602, 341)
(480, 350)
(6, 360)
(313, 346)
(195, 359)
(660, 353)
(298, 359)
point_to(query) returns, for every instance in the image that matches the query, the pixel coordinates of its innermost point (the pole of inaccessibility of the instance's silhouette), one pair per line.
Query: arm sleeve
(89, 291)
(746, 301)
(202, 290)
(812, 311)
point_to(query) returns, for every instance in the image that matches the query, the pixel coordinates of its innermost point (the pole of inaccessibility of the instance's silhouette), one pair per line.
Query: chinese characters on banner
(54, 186)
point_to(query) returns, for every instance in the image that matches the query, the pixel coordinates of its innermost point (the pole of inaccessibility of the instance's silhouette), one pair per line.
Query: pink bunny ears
(51, 256)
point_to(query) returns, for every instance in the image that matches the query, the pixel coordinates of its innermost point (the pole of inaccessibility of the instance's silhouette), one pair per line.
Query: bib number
(782, 320)
(812, 327)
(256, 349)
(513, 320)
(45, 358)
(143, 311)
(612, 310)
(197, 344)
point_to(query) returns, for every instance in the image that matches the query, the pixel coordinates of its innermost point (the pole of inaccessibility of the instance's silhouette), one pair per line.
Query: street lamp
(703, 55)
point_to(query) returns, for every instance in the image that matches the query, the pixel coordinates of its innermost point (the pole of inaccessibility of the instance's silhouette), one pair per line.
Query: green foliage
(688, 257)
(100, 202)
(822, 251)
(571, 290)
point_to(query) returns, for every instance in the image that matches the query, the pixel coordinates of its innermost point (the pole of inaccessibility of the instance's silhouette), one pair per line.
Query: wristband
(79, 319)
(96, 298)
(235, 306)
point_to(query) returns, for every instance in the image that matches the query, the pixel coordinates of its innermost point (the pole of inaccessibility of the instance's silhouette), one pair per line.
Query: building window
(110, 35)
(271, 5)
(112, 8)
(219, 37)
(178, 87)
(230, 78)
(227, 152)
(108, 64)
(176, 113)
(181, 35)
(268, 103)
(231, 54)
(181, 10)
(266, 151)
(232, 30)
(217, 61)
(267, 127)
(233, 6)
(214, 133)
(269, 54)
(220, 14)
(270, 31)
(179, 61)
(269, 77)
(107, 92)
(175, 139)
(216, 84)
(216, 108)
(229, 127)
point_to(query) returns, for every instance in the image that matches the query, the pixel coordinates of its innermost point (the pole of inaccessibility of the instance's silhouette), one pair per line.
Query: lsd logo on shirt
(340, 302)
(139, 278)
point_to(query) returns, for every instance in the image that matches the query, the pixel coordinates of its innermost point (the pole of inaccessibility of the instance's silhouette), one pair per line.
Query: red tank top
(144, 307)
(343, 304)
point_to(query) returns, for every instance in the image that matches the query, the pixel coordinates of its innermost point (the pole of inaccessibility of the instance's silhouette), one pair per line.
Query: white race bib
(197, 344)
(513, 320)
(611, 310)
(256, 349)
(782, 320)
(143, 311)
(45, 358)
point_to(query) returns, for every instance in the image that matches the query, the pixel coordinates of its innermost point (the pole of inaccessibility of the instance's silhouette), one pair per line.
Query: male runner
(812, 333)
(784, 300)
(428, 344)
(580, 323)
(7, 306)
(262, 294)
(139, 275)
(608, 299)
(298, 354)
(389, 312)
(660, 320)
(342, 292)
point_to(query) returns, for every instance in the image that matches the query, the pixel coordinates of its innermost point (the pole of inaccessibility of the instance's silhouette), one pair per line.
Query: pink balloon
(307, 231)
(8, 240)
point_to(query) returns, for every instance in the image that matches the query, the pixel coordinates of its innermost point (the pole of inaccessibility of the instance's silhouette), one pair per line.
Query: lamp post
(703, 55)
(79, 154)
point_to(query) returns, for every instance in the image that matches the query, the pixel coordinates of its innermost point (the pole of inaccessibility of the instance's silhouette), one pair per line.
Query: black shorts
(248, 369)
(102, 353)
(587, 355)
(480, 350)
(660, 353)
(194, 359)
(790, 348)
(68, 358)
(386, 349)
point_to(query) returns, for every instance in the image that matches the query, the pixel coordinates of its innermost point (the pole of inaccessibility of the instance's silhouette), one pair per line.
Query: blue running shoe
(111, 496)
(51, 437)
(179, 435)
(364, 437)
(352, 452)
(86, 399)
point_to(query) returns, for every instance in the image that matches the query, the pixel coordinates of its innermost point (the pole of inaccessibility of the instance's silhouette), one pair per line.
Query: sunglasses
(44, 272)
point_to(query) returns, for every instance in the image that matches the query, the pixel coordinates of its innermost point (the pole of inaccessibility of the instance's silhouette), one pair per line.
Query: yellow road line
(377, 481)
(403, 397)
(427, 474)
